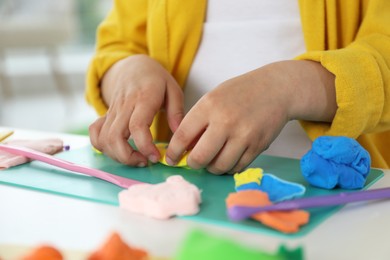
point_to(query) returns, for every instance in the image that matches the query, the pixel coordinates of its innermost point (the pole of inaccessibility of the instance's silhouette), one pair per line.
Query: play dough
(44, 252)
(276, 188)
(248, 176)
(336, 161)
(284, 221)
(116, 248)
(48, 146)
(173, 197)
(162, 148)
(199, 245)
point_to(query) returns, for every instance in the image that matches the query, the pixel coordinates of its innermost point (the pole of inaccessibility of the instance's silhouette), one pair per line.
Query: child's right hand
(135, 89)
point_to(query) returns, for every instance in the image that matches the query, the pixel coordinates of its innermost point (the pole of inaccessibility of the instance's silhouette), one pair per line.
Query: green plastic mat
(42, 177)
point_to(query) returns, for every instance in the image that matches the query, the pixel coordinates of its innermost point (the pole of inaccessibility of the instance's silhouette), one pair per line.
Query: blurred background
(45, 49)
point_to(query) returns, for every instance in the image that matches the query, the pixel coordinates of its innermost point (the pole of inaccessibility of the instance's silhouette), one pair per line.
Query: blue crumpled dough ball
(276, 188)
(336, 161)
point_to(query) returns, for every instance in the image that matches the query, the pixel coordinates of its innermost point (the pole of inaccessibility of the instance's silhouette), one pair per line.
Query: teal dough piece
(276, 188)
(336, 161)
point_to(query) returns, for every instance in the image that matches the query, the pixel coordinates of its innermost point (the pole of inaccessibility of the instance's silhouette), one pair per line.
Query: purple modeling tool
(237, 213)
(35, 155)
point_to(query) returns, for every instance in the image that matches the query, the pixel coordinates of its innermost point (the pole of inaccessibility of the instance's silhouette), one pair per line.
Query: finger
(118, 146)
(227, 158)
(247, 157)
(103, 141)
(206, 149)
(192, 126)
(94, 132)
(113, 138)
(174, 105)
(139, 126)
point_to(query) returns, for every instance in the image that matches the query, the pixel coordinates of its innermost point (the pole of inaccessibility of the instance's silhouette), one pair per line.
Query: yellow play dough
(162, 147)
(249, 175)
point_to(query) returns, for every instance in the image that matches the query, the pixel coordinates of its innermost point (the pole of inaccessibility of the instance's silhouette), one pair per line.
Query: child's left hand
(231, 125)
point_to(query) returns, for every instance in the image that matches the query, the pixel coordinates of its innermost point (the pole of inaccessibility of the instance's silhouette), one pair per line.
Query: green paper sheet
(46, 178)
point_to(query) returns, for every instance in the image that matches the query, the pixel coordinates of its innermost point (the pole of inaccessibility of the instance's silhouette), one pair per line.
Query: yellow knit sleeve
(121, 34)
(362, 71)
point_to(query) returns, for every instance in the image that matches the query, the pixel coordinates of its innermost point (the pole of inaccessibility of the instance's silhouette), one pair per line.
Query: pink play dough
(173, 197)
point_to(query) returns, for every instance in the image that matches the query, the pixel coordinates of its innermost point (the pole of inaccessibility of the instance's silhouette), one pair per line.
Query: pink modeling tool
(35, 155)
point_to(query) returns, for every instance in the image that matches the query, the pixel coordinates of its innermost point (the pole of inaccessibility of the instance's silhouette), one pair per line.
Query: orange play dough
(116, 249)
(44, 253)
(284, 221)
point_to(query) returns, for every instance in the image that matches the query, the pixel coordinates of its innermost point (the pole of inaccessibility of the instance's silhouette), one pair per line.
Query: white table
(27, 217)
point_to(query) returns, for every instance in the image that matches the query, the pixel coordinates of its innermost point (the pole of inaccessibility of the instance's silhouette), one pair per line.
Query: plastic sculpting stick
(237, 213)
(35, 155)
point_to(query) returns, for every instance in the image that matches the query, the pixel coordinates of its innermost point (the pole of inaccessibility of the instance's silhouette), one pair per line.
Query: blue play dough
(248, 186)
(276, 188)
(336, 161)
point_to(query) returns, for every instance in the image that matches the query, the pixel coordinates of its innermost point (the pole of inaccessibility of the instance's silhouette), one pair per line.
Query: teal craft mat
(42, 177)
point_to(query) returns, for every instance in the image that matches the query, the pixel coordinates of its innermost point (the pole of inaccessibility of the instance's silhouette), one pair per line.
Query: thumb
(174, 105)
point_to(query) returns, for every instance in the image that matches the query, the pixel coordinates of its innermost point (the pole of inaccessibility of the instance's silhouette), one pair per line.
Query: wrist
(310, 90)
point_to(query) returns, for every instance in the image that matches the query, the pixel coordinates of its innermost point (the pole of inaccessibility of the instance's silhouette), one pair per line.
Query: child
(236, 58)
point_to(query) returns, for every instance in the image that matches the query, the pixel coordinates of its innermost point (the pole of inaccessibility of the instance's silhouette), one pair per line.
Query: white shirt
(240, 36)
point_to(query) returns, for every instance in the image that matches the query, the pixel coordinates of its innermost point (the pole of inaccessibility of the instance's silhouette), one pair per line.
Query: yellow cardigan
(351, 38)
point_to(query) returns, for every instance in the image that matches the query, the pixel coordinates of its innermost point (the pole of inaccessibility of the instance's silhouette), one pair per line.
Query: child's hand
(135, 89)
(238, 120)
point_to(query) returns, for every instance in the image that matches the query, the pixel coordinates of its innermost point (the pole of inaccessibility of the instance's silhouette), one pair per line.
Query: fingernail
(141, 164)
(153, 158)
(170, 161)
